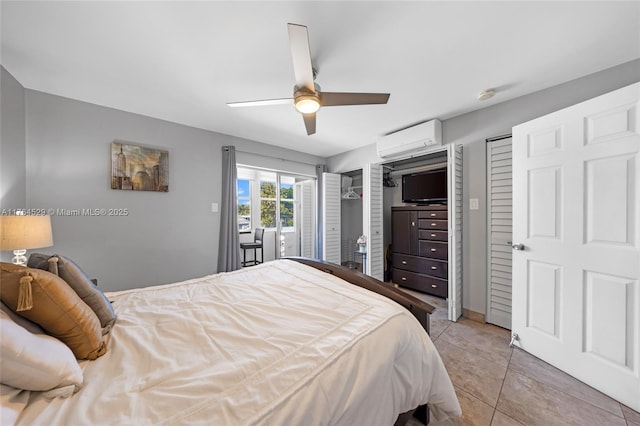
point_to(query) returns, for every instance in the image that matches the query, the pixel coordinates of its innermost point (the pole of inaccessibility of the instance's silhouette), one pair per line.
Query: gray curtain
(320, 169)
(229, 249)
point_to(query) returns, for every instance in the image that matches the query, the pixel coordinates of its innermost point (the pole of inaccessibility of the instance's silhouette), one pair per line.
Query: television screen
(425, 187)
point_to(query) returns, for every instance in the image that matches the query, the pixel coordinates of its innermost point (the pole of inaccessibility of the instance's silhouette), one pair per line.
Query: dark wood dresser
(419, 244)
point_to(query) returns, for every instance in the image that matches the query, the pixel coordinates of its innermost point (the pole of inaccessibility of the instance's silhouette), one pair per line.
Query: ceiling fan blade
(310, 123)
(266, 102)
(340, 98)
(301, 55)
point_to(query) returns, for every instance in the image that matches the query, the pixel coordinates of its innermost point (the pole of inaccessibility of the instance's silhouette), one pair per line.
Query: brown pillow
(90, 294)
(48, 301)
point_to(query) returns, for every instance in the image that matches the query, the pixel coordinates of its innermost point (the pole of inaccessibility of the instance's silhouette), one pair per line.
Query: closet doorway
(352, 207)
(449, 158)
(351, 219)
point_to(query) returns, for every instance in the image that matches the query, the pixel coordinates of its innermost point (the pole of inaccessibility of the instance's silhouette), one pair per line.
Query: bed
(285, 342)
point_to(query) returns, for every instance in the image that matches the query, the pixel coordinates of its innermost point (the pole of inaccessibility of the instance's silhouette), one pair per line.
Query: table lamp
(19, 233)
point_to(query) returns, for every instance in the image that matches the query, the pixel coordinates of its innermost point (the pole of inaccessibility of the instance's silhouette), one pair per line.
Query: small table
(363, 254)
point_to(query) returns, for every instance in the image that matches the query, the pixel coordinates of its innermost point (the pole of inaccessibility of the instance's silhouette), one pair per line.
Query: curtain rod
(277, 158)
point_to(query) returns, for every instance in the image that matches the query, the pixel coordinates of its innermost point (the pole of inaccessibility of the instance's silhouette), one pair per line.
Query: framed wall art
(139, 168)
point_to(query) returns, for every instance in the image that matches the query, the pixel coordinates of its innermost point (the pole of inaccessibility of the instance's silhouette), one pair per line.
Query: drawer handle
(433, 250)
(433, 268)
(404, 262)
(433, 224)
(433, 286)
(433, 235)
(413, 224)
(403, 278)
(433, 215)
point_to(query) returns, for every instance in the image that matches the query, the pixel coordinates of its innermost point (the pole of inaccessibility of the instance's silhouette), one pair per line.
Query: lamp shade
(25, 232)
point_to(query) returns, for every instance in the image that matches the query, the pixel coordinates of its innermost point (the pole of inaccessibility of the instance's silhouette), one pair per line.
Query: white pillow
(36, 362)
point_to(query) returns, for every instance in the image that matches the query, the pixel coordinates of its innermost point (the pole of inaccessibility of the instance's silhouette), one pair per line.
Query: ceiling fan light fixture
(307, 104)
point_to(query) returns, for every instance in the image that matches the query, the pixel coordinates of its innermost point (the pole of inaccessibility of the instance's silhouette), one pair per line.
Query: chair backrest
(258, 235)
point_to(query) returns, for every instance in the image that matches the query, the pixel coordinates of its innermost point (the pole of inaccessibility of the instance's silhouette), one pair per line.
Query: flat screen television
(425, 187)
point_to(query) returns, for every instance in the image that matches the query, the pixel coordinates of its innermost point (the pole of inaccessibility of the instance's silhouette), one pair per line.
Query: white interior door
(576, 210)
(499, 224)
(454, 175)
(331, 217)
(372, 219)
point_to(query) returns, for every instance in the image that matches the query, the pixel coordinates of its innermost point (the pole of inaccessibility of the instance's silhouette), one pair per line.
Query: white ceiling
(183, 61)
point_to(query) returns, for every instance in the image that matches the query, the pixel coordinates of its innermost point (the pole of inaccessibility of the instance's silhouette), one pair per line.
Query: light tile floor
(500, 386)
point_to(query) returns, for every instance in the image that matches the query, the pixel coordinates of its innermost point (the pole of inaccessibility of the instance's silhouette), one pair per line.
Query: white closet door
(454, 175)
(372, 219)
(576, 231)
(499, 216)
(331, 217)
(307, 217)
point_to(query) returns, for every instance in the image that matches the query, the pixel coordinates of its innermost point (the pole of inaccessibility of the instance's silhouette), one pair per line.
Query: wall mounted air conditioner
(412, 141)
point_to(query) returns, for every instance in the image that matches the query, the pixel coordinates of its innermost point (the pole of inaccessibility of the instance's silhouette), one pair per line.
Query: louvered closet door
(454, 176)
(372, 219)
(331, 217)
(306, 217)
(499, 216)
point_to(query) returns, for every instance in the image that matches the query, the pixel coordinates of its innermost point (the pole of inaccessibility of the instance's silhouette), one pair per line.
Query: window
(244, 205)
(268, 202)
(266, 199)
(286, 202)
(282, 203)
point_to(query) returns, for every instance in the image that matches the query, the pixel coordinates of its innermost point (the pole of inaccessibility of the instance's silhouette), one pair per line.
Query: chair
(256, 244)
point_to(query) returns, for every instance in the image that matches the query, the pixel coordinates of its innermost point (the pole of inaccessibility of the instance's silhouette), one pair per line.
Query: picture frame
(139, 168)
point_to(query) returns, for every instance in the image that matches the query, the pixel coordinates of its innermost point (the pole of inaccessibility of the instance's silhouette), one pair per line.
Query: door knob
(519, 247)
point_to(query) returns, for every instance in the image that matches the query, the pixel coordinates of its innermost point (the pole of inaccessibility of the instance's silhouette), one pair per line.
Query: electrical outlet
(214, 207)
(473, 204)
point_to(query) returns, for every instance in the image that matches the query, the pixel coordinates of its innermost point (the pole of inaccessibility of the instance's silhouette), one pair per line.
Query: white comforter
(278, 344)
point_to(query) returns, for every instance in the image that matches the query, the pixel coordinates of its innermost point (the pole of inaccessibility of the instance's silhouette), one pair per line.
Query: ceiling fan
(307, 97)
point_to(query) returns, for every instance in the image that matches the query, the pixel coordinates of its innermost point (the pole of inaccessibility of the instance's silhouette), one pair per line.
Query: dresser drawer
(424, 283)
(424, 234)
(433, 224)
(434, 249)
(437, 268)
(433, 214)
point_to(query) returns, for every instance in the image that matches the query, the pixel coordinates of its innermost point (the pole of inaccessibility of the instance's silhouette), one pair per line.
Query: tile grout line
(501, 386)
(486, 359)
(623, 415)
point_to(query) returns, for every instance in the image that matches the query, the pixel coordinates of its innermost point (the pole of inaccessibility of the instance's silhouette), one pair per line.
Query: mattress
(278, 343)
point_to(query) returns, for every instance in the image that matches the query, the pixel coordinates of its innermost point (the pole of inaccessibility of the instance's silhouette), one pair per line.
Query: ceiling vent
(410, 142)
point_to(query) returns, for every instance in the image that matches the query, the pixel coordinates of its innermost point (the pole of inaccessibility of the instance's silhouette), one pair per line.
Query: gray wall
(13, 189)
(472, 129)
(166, 237)
(13, 178)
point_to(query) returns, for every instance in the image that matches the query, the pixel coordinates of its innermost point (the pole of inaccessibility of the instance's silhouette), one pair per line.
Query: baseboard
(473, 315)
